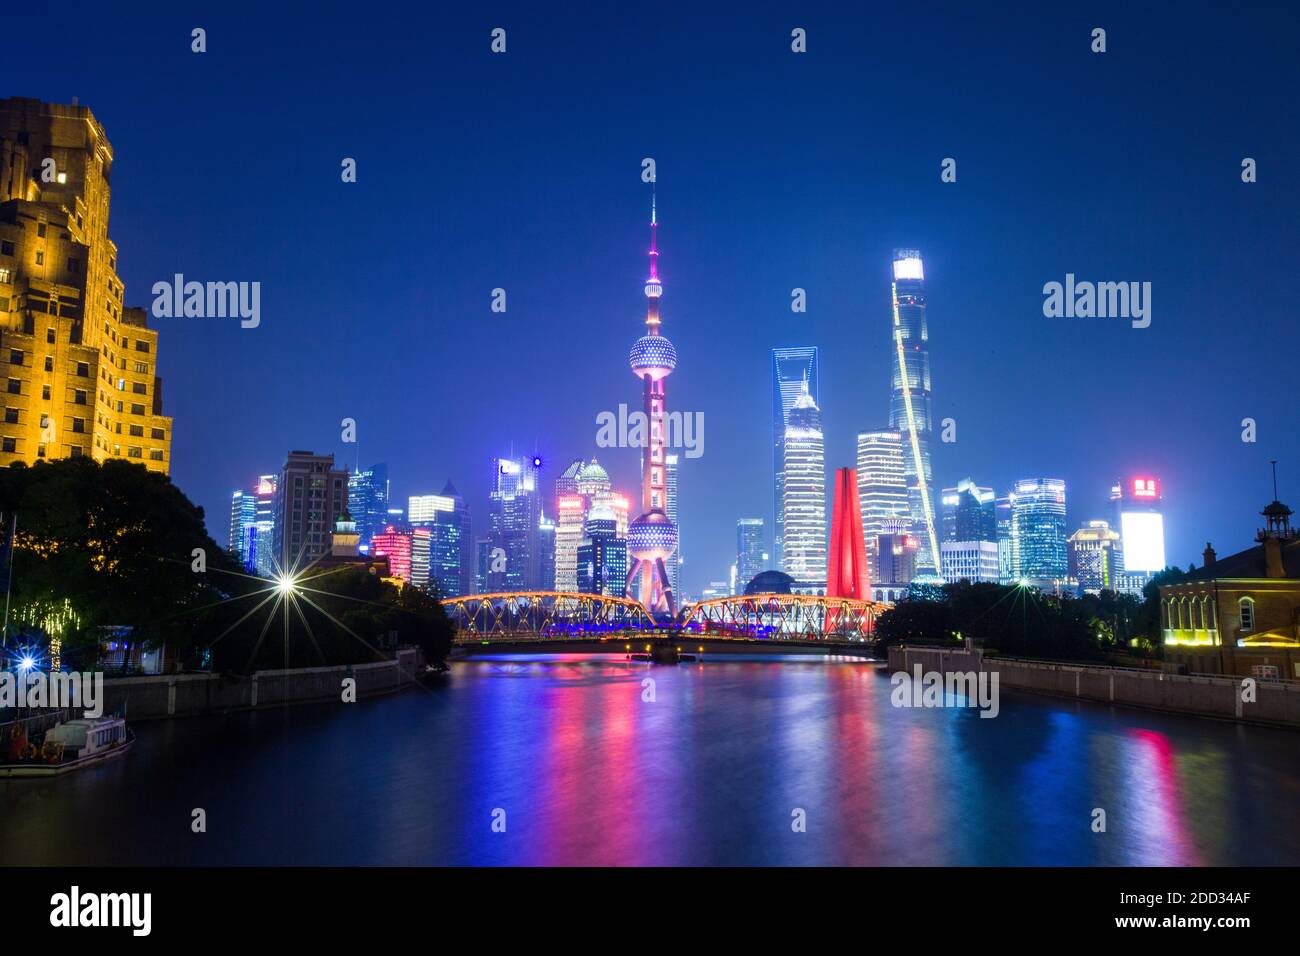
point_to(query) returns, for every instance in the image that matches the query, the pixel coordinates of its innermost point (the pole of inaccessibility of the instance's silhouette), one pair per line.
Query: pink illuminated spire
(653, 287)
(654, 232)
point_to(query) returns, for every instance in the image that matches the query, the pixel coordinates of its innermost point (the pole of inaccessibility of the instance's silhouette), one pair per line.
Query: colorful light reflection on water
(589, 771)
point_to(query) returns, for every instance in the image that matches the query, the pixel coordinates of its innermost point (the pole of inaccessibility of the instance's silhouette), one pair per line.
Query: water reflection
(591, 765)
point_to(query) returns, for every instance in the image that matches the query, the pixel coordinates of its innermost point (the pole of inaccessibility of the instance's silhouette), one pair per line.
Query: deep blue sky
(775, 170)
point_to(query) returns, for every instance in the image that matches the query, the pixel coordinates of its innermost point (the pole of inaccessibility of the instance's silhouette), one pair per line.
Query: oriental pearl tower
(652, 538)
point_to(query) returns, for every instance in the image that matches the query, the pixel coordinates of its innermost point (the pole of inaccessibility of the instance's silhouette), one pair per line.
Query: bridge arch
(557, 615)
(784, 617)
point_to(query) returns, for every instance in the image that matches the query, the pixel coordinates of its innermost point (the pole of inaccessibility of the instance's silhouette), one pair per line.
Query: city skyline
(833, 209)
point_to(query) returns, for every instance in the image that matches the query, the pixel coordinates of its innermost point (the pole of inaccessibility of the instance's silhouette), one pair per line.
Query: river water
(571, 758)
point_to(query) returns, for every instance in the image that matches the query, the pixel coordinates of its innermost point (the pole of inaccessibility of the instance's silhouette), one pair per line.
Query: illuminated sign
(1144, 488)
(1144, 540)
(909, 268)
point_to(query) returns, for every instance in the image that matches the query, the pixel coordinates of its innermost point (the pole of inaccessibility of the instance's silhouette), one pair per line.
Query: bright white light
(284, 584)
(27, 664)
(909, 268)
(1144, 540)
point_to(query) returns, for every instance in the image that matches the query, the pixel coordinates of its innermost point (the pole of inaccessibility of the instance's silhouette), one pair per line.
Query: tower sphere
(651, 537)
(653, 355)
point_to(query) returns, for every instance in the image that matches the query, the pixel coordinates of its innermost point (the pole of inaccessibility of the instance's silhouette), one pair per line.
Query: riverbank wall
(185, 695)
(1276, 703)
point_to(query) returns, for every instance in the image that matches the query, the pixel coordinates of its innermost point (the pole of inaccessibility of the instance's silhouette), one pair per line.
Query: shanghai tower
(909, 405)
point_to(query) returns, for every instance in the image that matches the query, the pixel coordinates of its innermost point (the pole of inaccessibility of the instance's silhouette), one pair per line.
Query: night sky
(776, 170)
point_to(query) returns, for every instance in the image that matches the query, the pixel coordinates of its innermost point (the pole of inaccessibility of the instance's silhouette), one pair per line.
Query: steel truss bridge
(562, 616)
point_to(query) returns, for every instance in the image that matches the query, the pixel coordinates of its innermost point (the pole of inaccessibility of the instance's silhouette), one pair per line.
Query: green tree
(113, 544)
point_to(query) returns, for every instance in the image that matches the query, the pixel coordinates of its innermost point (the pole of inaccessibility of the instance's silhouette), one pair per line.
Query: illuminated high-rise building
(1093, 549)
(581, 487)
(652, 538)
(968, 513)
(368, 501)
(909, 405)
(447, 518)
(790, 369)
(973, 561)
(546, 546)
(396, 545)
(895, 566)
(515, 534)
(1006, 553)
(310, 496)
(602, 555)
(243, 515)
(751, 559)
(1137, 505)
(81, 365)
(261, 537)
(882, 488)
(670, 496)
(570, 513)
(803, 535)
(1038, 531)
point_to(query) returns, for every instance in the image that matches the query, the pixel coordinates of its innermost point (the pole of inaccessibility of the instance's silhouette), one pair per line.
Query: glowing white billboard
(1144, 540)
(909, 268)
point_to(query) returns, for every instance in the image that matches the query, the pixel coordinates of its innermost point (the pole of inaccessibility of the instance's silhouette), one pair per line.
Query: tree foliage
(113, 545)
(1016, 620)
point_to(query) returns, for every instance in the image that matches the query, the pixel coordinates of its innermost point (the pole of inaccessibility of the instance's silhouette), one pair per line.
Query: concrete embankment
(181, 695)
(1276, 703)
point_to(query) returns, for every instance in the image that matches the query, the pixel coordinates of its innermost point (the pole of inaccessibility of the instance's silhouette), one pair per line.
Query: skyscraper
(652, 538)
(909, 406)
(969, 513)
(262, 553)
(848, 577)
(803, 534)
(1006, 553)
(882, 489)
(969, 549)
(1093, 549)
(514, 537)
(243, 515)
(309, 498)
(895, 563)
(970, 561)
(368, 501)
(1038, 531)
(790, 369)
(581, 487)
(602, 555)
(1136, 506)
(570, 515)
(395, 545)
(750, 557)
(447, 519)
(81, 364)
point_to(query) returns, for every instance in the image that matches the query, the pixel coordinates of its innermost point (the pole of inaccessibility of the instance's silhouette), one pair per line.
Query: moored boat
(67, 746)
